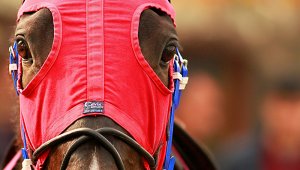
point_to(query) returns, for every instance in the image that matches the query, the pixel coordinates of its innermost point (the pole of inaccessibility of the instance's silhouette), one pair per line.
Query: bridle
(84, 134)
(98, 135)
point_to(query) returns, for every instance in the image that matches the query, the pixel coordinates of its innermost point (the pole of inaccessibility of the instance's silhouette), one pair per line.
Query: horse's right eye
(22, 48)
(24, 51)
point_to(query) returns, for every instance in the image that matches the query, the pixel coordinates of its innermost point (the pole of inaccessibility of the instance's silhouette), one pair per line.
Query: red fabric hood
(96, 58)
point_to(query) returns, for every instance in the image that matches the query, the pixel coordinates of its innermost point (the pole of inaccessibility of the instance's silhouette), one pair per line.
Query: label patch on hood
(93, 107)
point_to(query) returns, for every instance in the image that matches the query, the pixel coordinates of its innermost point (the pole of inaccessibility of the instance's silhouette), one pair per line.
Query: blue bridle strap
(13, 70)
(24, 150)
(13, 64)
(180, 73)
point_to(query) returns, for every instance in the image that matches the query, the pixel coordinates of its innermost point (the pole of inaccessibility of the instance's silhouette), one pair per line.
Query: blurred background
(243, 98)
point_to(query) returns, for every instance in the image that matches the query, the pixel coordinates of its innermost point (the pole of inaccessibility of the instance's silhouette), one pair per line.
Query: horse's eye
(23, 50)
(168, 53)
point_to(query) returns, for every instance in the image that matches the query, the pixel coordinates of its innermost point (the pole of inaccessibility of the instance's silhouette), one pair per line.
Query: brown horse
(155, 29)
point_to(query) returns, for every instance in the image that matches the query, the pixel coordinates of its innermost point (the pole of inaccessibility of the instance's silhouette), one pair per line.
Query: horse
(158, 41)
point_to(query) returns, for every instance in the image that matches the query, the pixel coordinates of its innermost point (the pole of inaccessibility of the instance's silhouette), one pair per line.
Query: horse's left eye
(168, 53)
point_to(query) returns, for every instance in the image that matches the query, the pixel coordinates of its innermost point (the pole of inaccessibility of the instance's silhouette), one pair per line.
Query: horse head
(87, 65)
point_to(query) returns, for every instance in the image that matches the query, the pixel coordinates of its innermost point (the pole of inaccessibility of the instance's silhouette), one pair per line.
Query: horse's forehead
(30, 23)
(96, 67)
(154, 20)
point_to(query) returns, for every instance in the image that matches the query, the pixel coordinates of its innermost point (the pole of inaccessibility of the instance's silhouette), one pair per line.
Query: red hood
(96, 67)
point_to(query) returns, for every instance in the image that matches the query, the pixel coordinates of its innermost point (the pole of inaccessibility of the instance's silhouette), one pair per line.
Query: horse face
(158, 41)
(34, 36)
